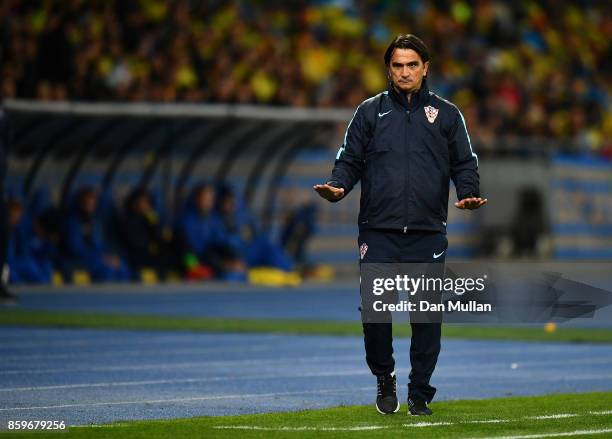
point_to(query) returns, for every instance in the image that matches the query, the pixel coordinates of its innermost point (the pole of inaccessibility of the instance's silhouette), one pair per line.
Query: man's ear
(425, 68)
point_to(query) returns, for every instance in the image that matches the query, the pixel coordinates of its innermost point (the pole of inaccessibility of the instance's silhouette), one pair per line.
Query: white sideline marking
(427, 424)
(604, 412)
(254, 427)
(558, 416)
(435, 424)
(498, 421)
(564, 433)
(196, 398)
(380, 427)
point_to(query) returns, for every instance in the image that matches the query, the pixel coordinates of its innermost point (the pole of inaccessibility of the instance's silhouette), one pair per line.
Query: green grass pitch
(585, 415)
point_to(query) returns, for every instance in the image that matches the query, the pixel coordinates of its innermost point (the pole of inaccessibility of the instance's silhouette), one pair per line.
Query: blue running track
(97, 376)
(85, 376)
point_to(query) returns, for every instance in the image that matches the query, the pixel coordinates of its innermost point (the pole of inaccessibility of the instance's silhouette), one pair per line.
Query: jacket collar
(419, 97)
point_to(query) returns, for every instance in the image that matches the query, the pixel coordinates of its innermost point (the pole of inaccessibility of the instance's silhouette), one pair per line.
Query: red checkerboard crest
(431, 113)
(363, 249)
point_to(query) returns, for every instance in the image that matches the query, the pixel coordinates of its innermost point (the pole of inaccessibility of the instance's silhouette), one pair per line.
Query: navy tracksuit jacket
(405, 155)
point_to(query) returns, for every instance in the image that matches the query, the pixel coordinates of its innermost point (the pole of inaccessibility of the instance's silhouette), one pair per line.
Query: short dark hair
(407, 41)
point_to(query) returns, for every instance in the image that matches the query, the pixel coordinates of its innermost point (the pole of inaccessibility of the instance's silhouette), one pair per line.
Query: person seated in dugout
(144, 242)
(84, 240)
(203, 233)
(300, 227)
(244, 237)
(28, 256)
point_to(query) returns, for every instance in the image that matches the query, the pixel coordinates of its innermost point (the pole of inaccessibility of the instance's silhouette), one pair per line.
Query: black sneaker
(418, 407)
(386, 399)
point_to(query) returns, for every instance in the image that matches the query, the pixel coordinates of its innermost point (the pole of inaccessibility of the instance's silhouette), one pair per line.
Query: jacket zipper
(406, 178)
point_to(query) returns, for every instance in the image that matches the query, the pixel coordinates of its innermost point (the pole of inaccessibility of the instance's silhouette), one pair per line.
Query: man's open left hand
(471, 203)
(328, 192)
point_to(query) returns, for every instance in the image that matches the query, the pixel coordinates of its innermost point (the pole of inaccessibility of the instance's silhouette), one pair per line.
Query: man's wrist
(468, 195)
(335, 184)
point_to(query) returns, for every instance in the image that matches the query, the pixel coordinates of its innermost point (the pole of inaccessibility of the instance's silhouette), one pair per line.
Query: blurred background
(153, 141)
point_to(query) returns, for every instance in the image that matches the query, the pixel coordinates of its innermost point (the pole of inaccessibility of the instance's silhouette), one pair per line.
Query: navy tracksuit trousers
(390, 246)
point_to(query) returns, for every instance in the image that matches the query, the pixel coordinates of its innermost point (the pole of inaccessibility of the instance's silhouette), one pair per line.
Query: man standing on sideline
(405, 144)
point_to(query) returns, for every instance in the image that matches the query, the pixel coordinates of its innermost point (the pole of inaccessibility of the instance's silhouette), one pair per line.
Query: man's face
(407, 70)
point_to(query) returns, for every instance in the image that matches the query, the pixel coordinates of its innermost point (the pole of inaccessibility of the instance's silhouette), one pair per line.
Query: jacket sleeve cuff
(336, 183)
(470, 194)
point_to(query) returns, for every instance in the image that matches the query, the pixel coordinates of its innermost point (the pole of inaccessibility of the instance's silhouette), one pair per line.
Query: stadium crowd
(523, 68)
(212, 237)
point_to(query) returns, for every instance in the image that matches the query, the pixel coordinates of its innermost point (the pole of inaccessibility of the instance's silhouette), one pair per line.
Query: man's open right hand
(328, 192)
